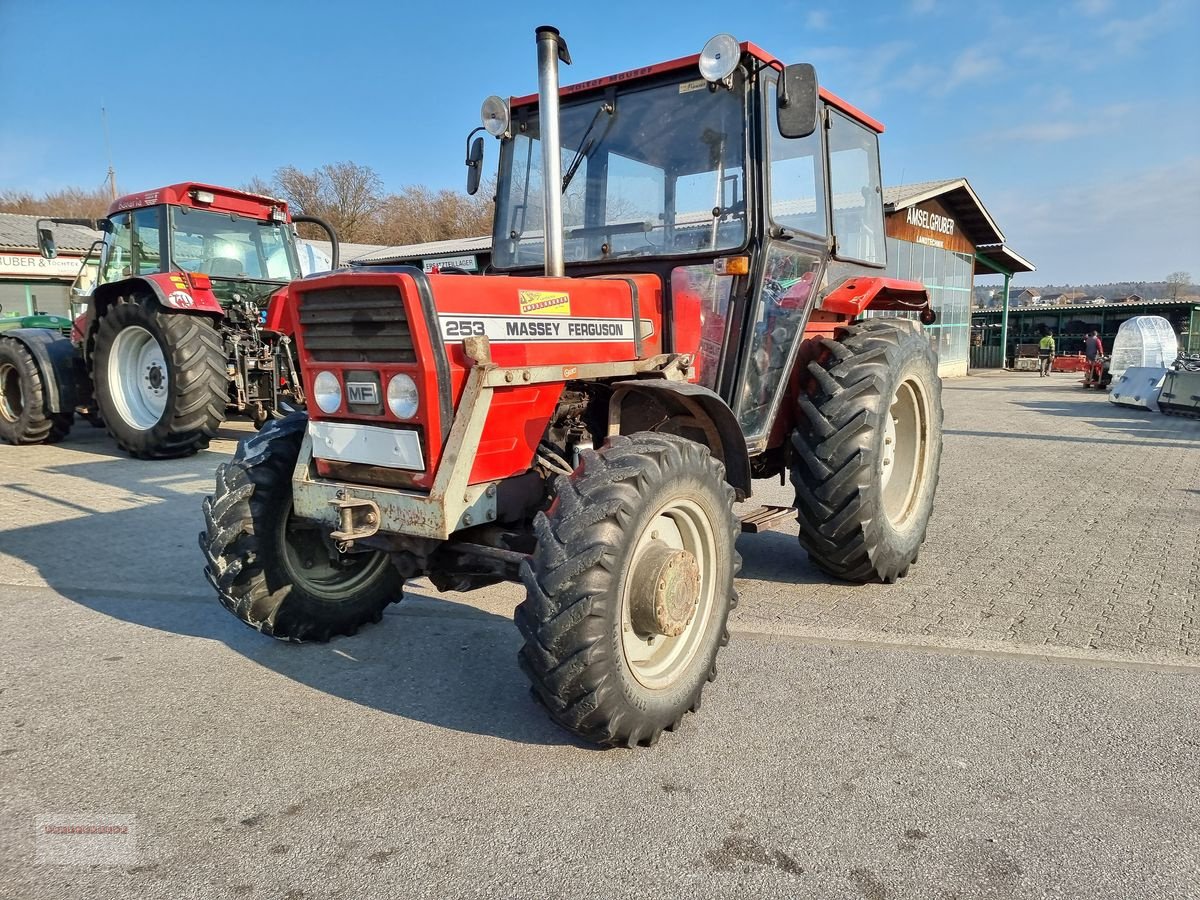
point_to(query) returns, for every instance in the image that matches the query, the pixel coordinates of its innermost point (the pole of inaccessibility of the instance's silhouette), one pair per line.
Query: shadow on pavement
(777, 556)
(430, 659)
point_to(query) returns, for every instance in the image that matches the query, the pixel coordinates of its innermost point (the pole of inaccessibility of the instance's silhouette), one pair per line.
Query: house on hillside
(1024, 297)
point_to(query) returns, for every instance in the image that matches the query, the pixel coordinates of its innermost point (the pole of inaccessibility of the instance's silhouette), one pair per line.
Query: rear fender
(690, 410)
(171, 290)
(855, 295)
(63, 377)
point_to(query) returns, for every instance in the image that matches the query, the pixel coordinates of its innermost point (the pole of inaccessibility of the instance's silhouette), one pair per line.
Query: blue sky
(1077, 122)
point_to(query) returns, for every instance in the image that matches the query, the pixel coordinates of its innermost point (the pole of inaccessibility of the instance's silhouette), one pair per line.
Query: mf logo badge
(545, 303)
(362, 392)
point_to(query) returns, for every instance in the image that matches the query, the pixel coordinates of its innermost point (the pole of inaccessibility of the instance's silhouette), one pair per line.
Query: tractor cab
(221, 240)
(752, 193)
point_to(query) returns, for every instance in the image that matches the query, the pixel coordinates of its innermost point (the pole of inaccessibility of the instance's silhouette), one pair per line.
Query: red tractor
(176, 329)
(712, 239)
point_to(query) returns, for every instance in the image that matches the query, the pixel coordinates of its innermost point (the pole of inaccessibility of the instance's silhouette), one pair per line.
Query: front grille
(356, 324)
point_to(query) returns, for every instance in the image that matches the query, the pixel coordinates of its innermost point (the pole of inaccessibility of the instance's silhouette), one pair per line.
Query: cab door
(796, 203)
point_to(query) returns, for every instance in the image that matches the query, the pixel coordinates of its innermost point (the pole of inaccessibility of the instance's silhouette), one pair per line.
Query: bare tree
(345, 194)
(1178, 281)
(70, 202)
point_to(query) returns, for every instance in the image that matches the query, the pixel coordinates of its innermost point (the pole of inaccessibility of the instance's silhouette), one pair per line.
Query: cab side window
(146, 237)
(118, 259)
(855, 190)
(797, 182)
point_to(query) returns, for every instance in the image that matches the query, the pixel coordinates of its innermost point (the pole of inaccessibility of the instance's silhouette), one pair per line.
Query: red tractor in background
(712, 236)
(176, 329)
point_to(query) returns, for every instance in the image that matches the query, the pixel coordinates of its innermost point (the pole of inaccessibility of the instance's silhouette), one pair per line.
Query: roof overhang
(962, 202)
(1000, 259)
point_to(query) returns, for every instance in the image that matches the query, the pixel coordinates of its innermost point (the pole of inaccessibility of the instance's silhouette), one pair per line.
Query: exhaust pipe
(551, 48)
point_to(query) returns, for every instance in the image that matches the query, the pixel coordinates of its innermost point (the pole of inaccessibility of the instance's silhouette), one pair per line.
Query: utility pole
(111, 178)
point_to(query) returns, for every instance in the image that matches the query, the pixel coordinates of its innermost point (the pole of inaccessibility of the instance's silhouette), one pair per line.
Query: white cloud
(1122, 226)
(1071, 123)
(863, 75)
(1127, 35)
(972, 64)
(816, 20)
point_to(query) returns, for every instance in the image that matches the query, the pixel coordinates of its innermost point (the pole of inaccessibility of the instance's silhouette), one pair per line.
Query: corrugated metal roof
(19, 232)
(431, 249)
(1050, 308)
(348, 252)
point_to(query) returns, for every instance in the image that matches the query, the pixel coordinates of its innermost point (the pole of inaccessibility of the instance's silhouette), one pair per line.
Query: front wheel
(161, 383)
(867, 448)
(24, 418)
(277, 573)
(630, 588)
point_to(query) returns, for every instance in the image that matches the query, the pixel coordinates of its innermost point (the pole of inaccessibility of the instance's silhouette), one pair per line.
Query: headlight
(495, 116)
(327, 391)
(402, 396)
(719, 57)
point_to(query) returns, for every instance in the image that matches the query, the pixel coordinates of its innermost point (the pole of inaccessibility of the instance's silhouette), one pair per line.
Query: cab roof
(685, 62)
(252, 206)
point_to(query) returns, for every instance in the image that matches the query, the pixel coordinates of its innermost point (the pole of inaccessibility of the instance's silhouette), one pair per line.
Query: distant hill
(1150, 290)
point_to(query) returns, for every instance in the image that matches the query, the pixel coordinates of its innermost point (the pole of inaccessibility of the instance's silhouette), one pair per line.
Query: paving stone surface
(1061, 520)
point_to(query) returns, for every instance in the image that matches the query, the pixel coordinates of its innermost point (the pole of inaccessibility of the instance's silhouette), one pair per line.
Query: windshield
(653, 171)
(225, 245)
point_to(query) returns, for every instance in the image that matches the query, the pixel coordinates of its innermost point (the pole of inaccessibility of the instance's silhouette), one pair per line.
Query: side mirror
(798, 101)
(46, 245)
(474, 165)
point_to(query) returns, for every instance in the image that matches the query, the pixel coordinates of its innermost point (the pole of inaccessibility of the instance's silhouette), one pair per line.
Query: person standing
(1045, 354)
(1093, 349)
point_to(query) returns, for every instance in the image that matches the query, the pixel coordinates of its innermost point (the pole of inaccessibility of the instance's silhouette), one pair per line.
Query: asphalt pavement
(977, 730)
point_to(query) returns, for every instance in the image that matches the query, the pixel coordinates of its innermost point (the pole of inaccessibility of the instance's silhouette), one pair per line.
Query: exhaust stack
(551, 48)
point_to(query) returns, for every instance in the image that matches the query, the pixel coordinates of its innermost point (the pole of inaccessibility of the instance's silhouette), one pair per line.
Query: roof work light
(719, 58)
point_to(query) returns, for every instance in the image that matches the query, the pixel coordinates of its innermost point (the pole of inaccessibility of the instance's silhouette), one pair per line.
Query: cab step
(767, 517)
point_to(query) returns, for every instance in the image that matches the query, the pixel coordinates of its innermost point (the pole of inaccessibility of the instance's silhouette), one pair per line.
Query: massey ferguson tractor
(711, 232)
(176, 330)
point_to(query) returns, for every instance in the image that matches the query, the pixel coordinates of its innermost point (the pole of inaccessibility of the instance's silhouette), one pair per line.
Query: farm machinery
(689, 265)
(187, 319)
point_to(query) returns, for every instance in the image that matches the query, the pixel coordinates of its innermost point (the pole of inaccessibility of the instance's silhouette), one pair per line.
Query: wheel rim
(905, 454)
(12, 400)
(656, 659)
(308, 564)
(137, 377)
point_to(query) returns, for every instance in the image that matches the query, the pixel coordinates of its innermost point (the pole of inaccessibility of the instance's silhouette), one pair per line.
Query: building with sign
(940, 234)
(29, 283)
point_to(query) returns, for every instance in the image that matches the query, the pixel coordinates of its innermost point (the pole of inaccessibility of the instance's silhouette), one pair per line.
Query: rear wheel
(24, 418)
(160, 377)
(867, 449)
(630, 588)
(277, 573)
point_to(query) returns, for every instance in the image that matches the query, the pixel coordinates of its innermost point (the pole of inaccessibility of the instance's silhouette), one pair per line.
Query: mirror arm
(782, 88)
(471, 163)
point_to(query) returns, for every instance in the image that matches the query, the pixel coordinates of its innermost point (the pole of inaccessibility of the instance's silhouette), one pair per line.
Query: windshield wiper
(584, 149)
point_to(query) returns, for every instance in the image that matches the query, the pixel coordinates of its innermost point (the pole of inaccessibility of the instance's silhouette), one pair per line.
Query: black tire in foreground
(24, 418)
(868, 444)
(160, 378)
(278, 574)
(630, 588)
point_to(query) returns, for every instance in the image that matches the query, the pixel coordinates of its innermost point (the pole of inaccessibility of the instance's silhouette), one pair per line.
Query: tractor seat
(224, 266)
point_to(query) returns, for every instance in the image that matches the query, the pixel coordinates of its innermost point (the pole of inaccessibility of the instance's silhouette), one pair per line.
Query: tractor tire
(160, 376)
(629, 589)
(867, 448)
(24, 418)
(276, 573)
